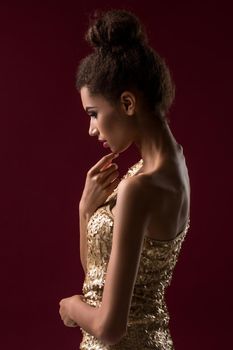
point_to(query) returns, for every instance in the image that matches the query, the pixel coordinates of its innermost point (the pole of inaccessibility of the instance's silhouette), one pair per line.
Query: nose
(92, 130)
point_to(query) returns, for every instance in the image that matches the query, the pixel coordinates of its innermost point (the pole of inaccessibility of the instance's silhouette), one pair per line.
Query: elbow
(111, 335)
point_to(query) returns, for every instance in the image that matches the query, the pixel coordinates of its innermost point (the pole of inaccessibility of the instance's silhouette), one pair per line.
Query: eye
(93, 115)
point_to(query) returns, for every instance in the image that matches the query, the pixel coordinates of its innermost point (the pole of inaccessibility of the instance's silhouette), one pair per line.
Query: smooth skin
(155, 202)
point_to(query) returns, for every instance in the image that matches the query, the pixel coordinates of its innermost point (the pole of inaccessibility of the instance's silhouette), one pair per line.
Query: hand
(101, 180)
(65, 309)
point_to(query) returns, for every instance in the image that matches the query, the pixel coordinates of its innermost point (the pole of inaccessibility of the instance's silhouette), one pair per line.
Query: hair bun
(115, 30)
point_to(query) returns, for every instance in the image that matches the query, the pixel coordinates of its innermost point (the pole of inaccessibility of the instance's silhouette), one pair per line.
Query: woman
(131, 230)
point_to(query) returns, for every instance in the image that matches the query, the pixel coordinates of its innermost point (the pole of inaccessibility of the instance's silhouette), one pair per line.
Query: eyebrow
(88, 108)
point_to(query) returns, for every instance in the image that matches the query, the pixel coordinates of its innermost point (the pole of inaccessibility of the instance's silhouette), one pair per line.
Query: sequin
(148, 322)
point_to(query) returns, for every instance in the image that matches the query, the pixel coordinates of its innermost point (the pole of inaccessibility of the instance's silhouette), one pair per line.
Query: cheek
(109, 123)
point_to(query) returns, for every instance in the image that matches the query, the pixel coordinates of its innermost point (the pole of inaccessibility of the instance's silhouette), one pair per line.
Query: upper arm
(131, 215)
(83, 252)
(83, 240)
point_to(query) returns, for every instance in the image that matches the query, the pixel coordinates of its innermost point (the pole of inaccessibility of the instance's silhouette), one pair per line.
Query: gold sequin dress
(148, 321)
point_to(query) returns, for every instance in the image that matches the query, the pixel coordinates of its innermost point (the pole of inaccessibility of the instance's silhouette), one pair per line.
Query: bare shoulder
(132, 191)
(142, 185)
(135, 188)
(166, 197)
(138, 193)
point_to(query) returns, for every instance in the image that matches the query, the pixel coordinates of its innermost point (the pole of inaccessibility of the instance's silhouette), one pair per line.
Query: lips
(105, 144)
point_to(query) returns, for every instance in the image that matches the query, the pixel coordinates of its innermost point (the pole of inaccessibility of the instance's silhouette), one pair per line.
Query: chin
(123, 149)
(115, 150)
(120, 148)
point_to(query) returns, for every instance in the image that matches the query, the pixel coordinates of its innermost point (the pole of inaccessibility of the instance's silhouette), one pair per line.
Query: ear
(128, 101)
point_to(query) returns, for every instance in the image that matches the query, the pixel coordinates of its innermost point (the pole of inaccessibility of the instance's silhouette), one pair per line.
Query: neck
(155, 142)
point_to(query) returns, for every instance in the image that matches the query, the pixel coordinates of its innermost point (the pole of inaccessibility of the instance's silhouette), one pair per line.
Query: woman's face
(108, 122)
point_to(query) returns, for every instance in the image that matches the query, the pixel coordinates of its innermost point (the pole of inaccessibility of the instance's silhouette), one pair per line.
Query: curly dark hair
(122, 59)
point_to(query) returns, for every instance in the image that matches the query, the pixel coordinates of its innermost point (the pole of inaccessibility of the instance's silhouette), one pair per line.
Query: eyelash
(93, 114)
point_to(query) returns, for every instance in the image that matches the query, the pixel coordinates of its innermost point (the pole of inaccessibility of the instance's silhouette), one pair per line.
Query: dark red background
(46, 152)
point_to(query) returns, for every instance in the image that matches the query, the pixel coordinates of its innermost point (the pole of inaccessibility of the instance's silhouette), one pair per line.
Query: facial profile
(110, 122)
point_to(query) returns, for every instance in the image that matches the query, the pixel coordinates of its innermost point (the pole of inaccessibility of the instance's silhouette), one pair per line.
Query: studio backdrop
(46, 152)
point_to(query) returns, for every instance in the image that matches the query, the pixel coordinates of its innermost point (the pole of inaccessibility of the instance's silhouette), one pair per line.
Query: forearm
(86, 316)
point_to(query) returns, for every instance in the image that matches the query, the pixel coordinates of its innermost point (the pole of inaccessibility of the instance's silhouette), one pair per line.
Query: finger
(114, 184)
(105, 167)
(110, 167)
(110, 175)
(104, 161)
